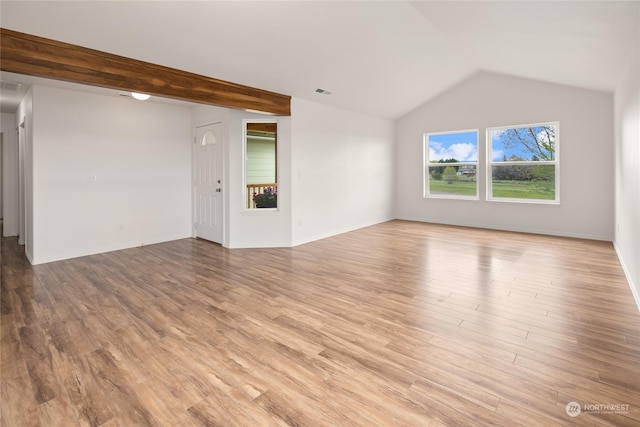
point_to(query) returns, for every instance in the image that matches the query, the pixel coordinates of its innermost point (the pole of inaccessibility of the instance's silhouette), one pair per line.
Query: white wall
(252, 228)
(489, 99)
(627, 178)
(25, 115)
(343, 170)
(330, 162)
(1, 173)
(258, 227)
(140, 154)
(10, 174)
(335, 173)
(26, 107)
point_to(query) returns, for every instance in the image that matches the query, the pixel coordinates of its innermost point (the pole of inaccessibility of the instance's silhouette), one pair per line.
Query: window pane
(524, 182)
(533, 143)
(453, 147)
(452, 180)
(456, 154)
(208, 138)
(260, 167)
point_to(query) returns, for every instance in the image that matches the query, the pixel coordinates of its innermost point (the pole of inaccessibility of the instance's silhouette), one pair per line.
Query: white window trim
(426, 193)
(245, 209)
(490, 163)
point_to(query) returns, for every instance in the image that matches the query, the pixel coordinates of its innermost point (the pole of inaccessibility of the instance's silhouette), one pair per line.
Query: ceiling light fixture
(140, 96)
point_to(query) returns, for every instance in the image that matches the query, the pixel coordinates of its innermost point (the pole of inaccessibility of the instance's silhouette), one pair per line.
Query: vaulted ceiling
(382, 58)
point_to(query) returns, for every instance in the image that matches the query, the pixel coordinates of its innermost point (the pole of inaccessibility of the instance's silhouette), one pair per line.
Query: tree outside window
(523, 163)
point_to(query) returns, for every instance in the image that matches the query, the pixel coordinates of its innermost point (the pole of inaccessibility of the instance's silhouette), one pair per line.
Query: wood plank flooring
(399, 324)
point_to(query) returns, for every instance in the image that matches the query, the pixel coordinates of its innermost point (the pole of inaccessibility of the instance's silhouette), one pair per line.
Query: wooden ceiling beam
(37, 56)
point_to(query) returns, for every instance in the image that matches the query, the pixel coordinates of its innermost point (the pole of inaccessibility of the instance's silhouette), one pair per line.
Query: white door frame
(22, 174)
(223, 184)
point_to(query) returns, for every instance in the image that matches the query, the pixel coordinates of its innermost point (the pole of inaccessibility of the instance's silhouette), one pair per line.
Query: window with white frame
(451, 164)
(522, 163)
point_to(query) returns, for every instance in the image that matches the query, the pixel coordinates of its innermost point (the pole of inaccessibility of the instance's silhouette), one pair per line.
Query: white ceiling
(382, 58)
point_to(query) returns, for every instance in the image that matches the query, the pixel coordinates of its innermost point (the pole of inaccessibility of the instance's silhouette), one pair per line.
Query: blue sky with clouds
(463, 146)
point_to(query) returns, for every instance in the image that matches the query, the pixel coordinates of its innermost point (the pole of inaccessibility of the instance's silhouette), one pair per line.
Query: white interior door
(208, 191)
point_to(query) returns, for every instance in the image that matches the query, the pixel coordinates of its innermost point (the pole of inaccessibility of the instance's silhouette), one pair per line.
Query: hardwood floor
(397, 324)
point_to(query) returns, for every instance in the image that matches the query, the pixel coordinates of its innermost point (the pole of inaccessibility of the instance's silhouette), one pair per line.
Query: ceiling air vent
(12, 86)
(323, 91)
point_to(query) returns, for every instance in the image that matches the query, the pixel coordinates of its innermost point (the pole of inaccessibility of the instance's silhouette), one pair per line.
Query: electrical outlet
(93, 178)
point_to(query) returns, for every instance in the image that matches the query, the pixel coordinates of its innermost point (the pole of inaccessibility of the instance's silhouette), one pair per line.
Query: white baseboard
(321, 236)
(258, 245)
(633, 286)
(29, 257)
(513, 229)
(105, 249)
